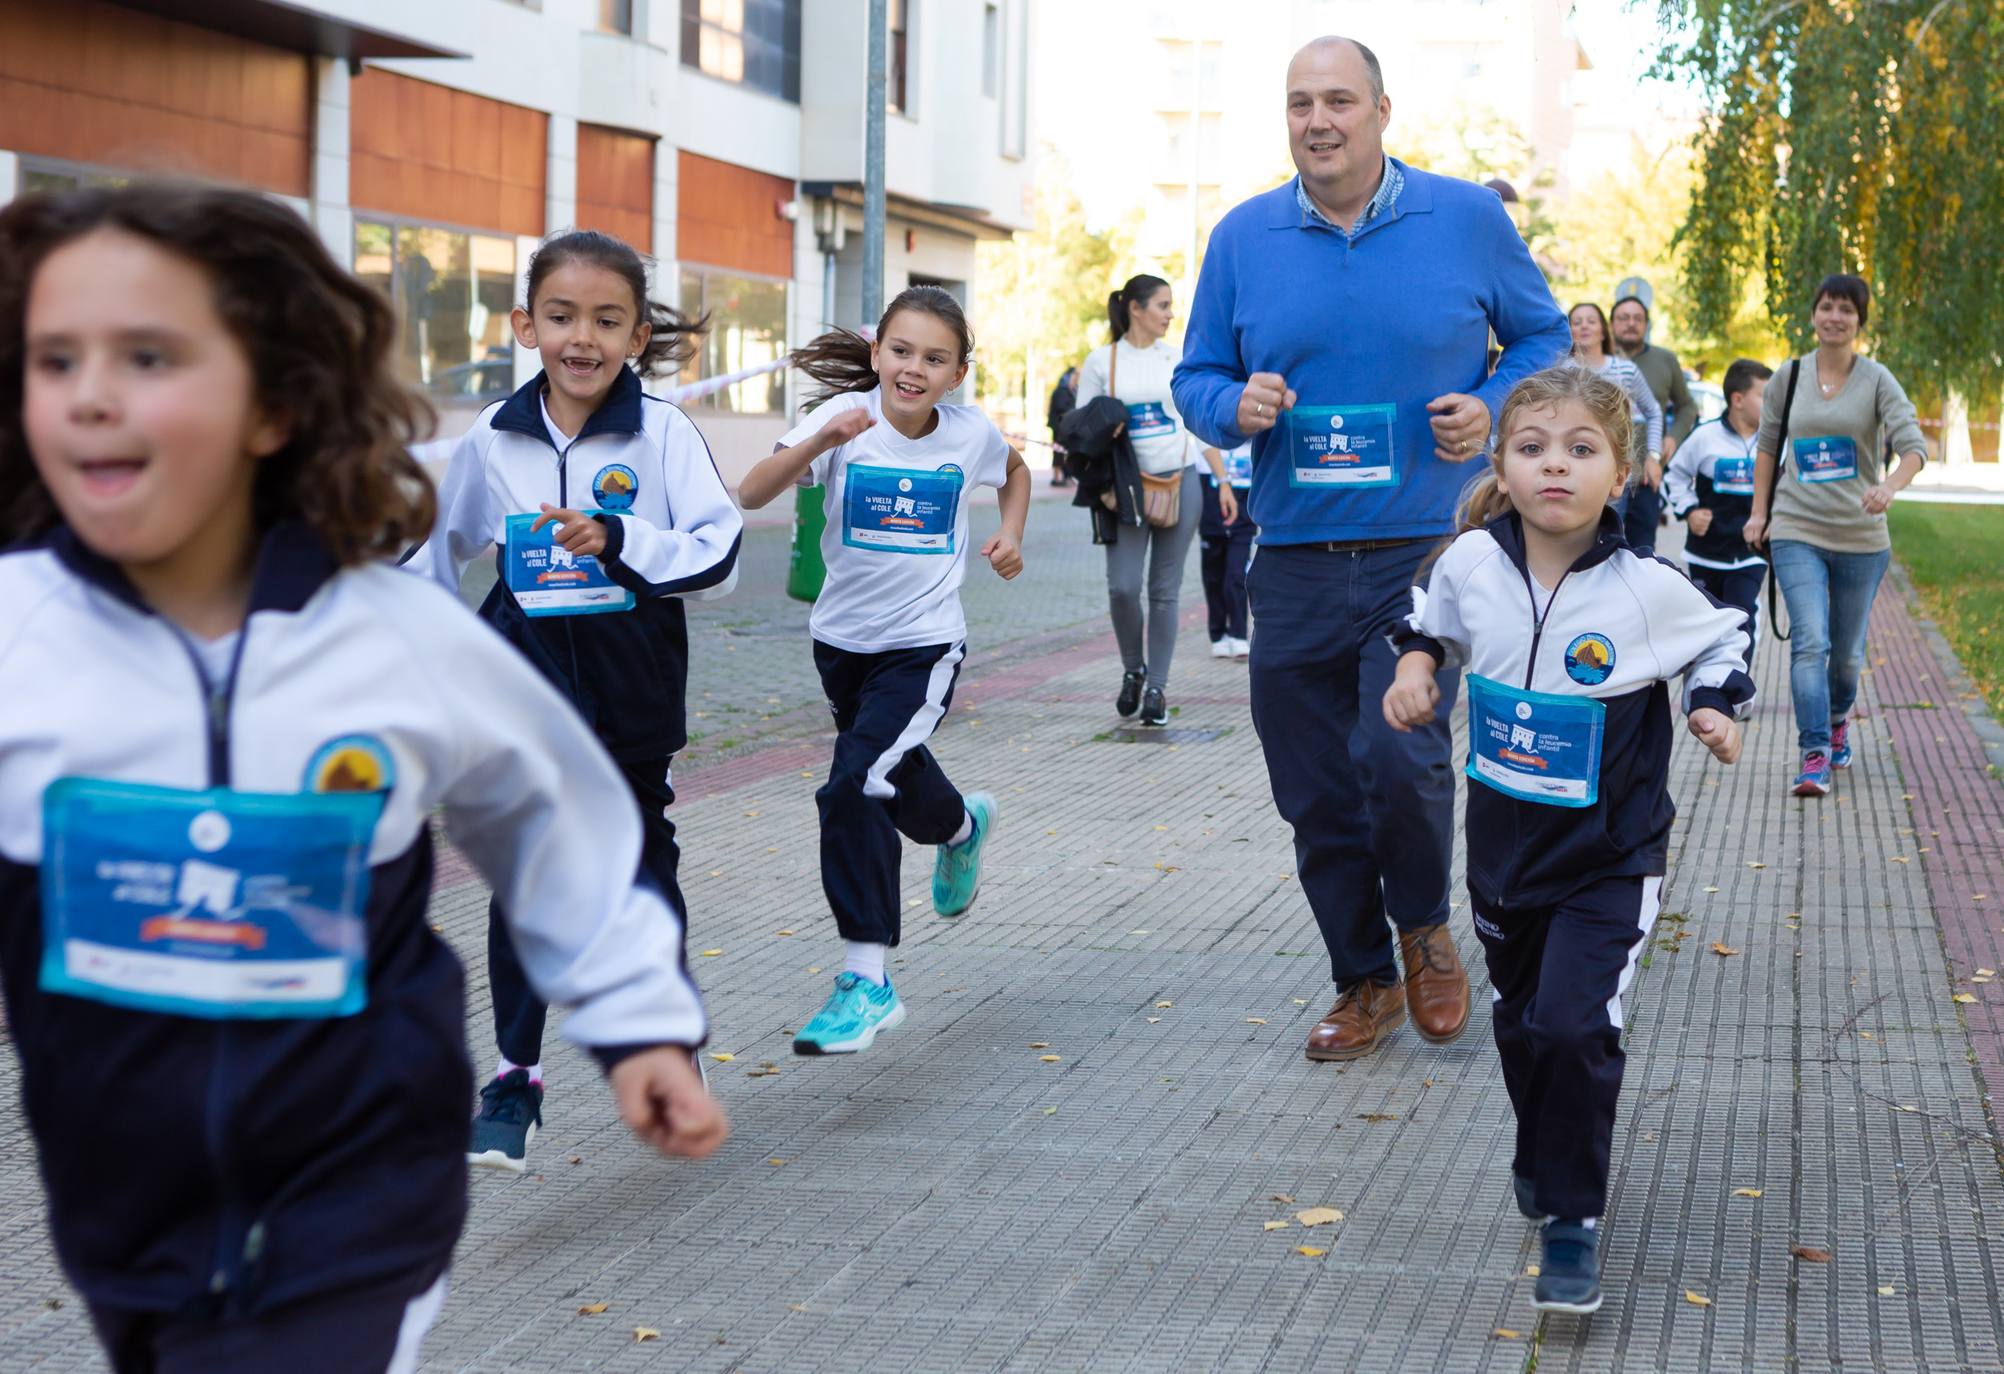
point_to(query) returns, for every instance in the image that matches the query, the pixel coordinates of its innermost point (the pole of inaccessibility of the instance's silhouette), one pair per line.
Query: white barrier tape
(695, 391)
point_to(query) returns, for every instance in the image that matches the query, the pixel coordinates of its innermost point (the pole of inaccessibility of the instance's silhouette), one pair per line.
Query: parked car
(1711, 400)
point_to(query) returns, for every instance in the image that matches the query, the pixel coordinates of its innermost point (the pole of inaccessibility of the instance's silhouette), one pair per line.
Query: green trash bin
(806, 572)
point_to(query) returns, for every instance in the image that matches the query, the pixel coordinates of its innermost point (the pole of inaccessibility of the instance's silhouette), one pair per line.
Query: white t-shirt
(1141, 383)
(896, 542)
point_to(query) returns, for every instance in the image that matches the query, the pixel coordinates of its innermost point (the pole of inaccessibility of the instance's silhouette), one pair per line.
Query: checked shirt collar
(1393, 182)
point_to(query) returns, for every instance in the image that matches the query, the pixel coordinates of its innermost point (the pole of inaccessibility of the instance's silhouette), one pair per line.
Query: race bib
(1832, 458)
(1535, 746)
(218, 904)
(1149, 420)
(548, 579)
(1238, 468)
(1341, 446)
(1733, 476)
(900, 510)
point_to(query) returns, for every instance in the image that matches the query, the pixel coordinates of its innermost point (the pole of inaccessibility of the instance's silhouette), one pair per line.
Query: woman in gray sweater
(1824, 513)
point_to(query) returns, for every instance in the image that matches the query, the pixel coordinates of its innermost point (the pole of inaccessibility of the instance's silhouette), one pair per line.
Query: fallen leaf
(1165, 1004)
(1711, 889)
(1504, 1333)
(1747, 1192)
(1531, 1271)
(645, 1333)
(1300, 1001)
(775, 1163)
(1318, 1216)
(1901, 859)
(1273, 1226)
(1375, 1117)
(1696, 1299)
(592, 1309)
(1139, 932)
(1885, 1290)
(1255, 1020)
(1310, 1250)
(1964, 997)
(716, 873)
(1722, 950)
(1050, 1111)
(1047, 1058)
(1813, 1254)
(1280, 1197)
(711, 953)
(1986, 973)
(815, 969)
(1040, 1044)
(784, 932)
(1865, 1035)
(1153, 1020)
(1755, 863)
(723, 1056)
(796, 1307)
(576, 1159)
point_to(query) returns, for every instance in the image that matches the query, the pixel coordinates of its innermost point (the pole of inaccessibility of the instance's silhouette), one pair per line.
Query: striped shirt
(1393, 182)
(1645, 410)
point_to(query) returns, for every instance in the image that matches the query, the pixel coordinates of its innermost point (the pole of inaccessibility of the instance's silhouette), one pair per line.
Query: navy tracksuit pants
(1735, 587)
(1556, 975)
(520, 1015)
(1372, 809)
(883, 781)
(1226, 550)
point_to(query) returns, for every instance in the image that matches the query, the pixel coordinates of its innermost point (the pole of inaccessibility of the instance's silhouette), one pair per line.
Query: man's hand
(1460, 426)
(1004, 555)
(1698, 519)
(1260, 404)
(1718, 732)
(662, 1099)
(576, 531)
(1413, 693)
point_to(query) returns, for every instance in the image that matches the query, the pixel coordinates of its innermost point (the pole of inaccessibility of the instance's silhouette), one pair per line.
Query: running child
(1567, 636)
(889, 636)
(1710, 486)
(227, 726)
(605, 510)
(1227, 541)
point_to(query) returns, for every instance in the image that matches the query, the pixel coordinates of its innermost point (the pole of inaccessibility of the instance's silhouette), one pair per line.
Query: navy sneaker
(511, 1108)
(1569, 1277)
(1840, 744)
(1520, 1188)
(1129, 700)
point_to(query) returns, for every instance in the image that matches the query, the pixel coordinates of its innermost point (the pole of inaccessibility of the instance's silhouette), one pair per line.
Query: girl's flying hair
(318, 340)
(674, 337)
(1484, 498)
(840, 359)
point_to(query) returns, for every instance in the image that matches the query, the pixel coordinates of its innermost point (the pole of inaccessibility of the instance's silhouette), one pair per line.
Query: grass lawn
(1953, 554)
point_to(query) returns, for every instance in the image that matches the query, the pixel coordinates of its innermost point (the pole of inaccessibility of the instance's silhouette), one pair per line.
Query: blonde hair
(1607, 404)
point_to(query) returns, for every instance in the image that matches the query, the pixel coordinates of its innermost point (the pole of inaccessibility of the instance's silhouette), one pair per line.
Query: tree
(1851, 135)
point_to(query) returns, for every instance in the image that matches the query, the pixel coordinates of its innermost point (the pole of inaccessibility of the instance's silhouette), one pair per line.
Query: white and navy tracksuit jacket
(1694, 480)
(672, 531)
(230, 1166)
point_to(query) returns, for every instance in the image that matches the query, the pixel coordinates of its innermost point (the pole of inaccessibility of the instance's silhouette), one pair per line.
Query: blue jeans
(1829, 598)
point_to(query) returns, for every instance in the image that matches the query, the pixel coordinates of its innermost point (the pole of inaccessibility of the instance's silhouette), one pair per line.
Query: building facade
(433, 145)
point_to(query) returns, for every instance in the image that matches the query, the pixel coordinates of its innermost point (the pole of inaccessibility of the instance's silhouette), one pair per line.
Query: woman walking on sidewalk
(1135, 369)
(1592, 341)
(1820, 498)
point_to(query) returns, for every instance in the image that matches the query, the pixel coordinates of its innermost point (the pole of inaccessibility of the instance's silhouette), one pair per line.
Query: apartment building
(433, 144)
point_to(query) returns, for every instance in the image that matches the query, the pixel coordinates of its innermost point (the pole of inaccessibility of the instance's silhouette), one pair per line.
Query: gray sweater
(1870, 409)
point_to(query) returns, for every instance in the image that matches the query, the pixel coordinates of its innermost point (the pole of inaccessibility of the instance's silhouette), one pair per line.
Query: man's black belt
(1359, 545)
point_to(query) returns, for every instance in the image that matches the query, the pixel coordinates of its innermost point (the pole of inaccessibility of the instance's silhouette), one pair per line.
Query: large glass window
(747, 329)
(753, 42)
(452, 292)
(37, 175)
(897, 96)
(615, 16)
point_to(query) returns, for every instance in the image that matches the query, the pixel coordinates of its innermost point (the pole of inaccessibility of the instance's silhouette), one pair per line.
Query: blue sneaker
(511, 1108)
(1814, 779)
(851, 1017)
(1569, 1278)
(956, 874)
(1840, 744)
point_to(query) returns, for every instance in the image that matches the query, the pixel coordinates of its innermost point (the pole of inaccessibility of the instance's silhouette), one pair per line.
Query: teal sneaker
(851, 1017)
(956, 874)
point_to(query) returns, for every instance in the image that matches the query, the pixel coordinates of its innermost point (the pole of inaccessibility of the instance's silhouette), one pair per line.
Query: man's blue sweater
(1400, 314)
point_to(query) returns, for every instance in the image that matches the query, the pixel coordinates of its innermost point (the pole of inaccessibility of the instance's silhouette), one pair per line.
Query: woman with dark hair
(1593, 348)
(1135, 369)
(1820, 495)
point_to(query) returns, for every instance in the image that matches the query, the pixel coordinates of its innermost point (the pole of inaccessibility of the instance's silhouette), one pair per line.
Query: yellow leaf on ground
(1531, 1271)
(1722, 950)
(1310, 1250)
(1300, 1001)
(1755, 863)
(1139, 932)
(1154, 1020)
(1696, 1299)
(1273, 1226)
(711, 953)
(1747, 1192)
(1280, 1197)
(723, 1057)
(1885, 1290)
(1255, 1020)
(1165, 1004)
(1318, 1216)
(1965, 997)
(591, 1309)
(785, 932)
(1711, 889)
(1040, 1044)
(1504, 1333)
(645, 1333)
(1048, 1058)
(1986, 973)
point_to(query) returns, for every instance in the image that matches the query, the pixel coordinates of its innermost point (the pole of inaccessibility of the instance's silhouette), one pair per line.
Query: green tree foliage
(1852, 135)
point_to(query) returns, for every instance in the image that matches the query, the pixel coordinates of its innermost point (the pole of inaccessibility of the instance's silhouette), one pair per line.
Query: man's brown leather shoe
(1436, 984)
(1358, 1023)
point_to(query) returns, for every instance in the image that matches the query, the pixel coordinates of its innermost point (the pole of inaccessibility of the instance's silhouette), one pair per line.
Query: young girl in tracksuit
(227, 725)
(889, 636)
(605, 510)
(1566, 637)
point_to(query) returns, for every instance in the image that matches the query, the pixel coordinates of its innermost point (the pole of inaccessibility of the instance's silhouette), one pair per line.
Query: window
(897, 90)
(754, 43)
(991, 50)
(615, 16)
(37, 175)
(452, 292)
(747, 329)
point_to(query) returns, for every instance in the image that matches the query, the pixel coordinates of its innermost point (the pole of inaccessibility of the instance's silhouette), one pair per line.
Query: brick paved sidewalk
(949, 1201)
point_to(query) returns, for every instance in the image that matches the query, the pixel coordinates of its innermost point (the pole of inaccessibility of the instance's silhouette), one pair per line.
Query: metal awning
(296, 26)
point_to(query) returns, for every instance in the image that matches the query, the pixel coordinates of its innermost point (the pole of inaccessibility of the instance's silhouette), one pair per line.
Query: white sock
(966, 831)
(866, 960)
(508, 1066)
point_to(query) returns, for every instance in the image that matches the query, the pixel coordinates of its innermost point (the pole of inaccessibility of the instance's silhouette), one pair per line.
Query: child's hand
(1228, 503)
(1718, 732)
(575, 531)
(1003, 555)
(1699, 520)
(662, 1099)
(1413, 693)
(844, 427)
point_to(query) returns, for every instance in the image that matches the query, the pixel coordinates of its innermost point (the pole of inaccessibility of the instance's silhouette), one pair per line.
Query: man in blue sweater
(1342, 324)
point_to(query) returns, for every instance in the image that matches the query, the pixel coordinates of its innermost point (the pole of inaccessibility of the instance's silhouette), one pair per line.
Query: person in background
(1659, 367)
(1225, 552)
(1064, 400)
(1710, 488)
(1593, 348)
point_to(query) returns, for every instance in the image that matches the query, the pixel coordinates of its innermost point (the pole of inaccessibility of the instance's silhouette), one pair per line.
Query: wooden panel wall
(86, 81)
(727, 216)
(429, 152)
(616, 184)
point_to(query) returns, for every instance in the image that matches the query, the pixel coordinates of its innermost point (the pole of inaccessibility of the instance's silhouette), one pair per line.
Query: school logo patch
(352, 763)
(949, 470)
(615, 487)
(1589, 659)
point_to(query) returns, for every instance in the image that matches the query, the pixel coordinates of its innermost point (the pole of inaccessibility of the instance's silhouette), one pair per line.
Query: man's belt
(1359, 545)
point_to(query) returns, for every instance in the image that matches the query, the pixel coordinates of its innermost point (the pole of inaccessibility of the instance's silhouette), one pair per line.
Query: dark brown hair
(1845, 287)
(1742, 375)
(840, 359)
(1140, 290)
(317, 339)
(1606, 334)
(673, 339)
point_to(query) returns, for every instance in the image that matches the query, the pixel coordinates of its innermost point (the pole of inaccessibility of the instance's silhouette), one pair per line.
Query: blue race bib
(900, 510)
(1149, 420)
(548, 579)
(218, 904)
(1238, 468)
(1535, 746)
(1831, 458)
(1733, 476)
(1341, 446)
